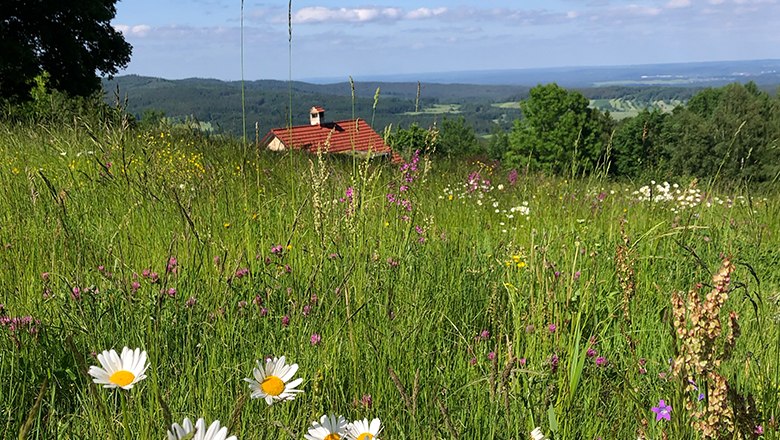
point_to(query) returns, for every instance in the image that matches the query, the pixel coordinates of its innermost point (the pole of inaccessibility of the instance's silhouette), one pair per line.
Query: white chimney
(317, 115)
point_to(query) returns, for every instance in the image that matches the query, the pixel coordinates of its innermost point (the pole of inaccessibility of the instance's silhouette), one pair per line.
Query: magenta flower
(492, 355)
(662, 411)
(285, 321)
(485, 334)
(601, 361)
(590, 353)
(315, 339)
(552, 328)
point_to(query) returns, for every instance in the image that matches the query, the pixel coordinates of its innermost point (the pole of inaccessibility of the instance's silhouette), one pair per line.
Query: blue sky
(201, 38)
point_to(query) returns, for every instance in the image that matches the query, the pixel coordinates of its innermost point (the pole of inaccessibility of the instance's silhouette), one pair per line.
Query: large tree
(71, 40)
(558, 131)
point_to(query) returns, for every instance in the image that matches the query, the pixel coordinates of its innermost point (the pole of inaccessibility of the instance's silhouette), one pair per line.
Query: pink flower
(601, 361)
(590, 353)
(285, 321)
(315, 339)
(492, 355)
(306, 310)
(485, 334)
(135, 286)
(552, 328)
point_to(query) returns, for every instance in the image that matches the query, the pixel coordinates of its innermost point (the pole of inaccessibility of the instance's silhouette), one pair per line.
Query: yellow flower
(226, 225)
(521, 265)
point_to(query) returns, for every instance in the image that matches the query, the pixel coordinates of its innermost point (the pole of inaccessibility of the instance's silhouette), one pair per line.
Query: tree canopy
(72, 41)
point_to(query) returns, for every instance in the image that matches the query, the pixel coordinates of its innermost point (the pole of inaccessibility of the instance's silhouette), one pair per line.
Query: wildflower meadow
(162, 284)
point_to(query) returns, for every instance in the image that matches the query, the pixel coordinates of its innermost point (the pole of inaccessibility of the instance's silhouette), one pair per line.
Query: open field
(450, 300)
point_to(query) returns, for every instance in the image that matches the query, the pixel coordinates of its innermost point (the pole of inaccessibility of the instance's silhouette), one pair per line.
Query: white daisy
(199, 431)
(120, 371)
(362, 430)
(537, 434)
(271, 382)
(328, 428)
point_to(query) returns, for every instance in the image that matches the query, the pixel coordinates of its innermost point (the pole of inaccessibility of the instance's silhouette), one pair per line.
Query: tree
(408, 140)
(456, 138)
(69, 40)
(558, 130)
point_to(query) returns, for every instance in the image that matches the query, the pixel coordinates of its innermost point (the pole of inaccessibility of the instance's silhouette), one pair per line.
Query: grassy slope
(380, 297)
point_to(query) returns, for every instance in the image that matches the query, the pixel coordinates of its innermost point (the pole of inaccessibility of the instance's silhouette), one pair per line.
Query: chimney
(317, 115)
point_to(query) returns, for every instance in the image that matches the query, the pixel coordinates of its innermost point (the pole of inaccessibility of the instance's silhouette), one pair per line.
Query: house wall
(276, 145)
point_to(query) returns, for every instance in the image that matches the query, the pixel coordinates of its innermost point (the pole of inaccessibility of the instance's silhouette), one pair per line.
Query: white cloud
(425, 13)
(674, 4)
(139, 30)
(321, 14)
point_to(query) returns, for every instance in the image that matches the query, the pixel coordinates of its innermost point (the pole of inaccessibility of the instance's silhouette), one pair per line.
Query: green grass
(436, 109)
(386, 288)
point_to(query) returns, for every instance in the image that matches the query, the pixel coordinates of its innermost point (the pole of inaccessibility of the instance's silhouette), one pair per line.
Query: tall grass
(458, 321)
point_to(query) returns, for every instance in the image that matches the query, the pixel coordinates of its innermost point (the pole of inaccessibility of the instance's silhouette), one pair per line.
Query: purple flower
(554, 363)
(473, 361)
(135, 286)
(171, 292)
(263, 311)
(485, 334)
(315, 339)
(492, 355)
(306, 310)
(662, 411)
(285, 321)
(276, 249)
(367, 401)
(512, 177)
(522, 362)
(552, 328)
(601, 361)
(590, 353)
(759, 430)
(190, 303)
(577, 275)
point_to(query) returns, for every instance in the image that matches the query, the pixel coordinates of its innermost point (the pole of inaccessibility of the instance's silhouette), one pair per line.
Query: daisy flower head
(272, 381)
(329, 427)
(121, 371)
(363, 430)
(198, 432)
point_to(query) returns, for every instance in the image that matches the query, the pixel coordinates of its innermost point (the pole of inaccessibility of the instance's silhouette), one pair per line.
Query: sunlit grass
(465, 305)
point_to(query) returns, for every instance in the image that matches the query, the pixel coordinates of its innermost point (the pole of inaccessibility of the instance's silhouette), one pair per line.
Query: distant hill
(483, 98)
(698, 74)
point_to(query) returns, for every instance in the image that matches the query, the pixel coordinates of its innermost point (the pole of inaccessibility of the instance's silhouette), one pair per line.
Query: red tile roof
(334, 137)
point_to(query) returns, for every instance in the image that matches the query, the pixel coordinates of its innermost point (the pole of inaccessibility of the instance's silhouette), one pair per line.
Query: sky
(202, 38)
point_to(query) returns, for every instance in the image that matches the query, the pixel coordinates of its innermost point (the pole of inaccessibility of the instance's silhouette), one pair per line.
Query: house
(351, 136)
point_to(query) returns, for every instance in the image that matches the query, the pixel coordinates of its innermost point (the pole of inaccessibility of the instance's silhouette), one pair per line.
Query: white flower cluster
(680, 198)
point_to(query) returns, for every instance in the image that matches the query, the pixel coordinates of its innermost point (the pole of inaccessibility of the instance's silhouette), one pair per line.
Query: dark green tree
(635, 144)
(558, 131)
(70, 40)
(408, 140)
(457, 138)
(731, 132)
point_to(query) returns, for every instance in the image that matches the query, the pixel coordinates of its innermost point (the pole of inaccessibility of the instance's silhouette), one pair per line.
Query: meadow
(456, 300)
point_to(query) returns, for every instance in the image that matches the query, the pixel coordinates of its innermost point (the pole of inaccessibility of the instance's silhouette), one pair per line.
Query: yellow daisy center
(333, 436)
(365, 436)
(272, 385)
(122, 378)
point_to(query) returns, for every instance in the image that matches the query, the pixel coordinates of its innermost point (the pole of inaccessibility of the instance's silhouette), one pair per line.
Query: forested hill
(217, 104)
